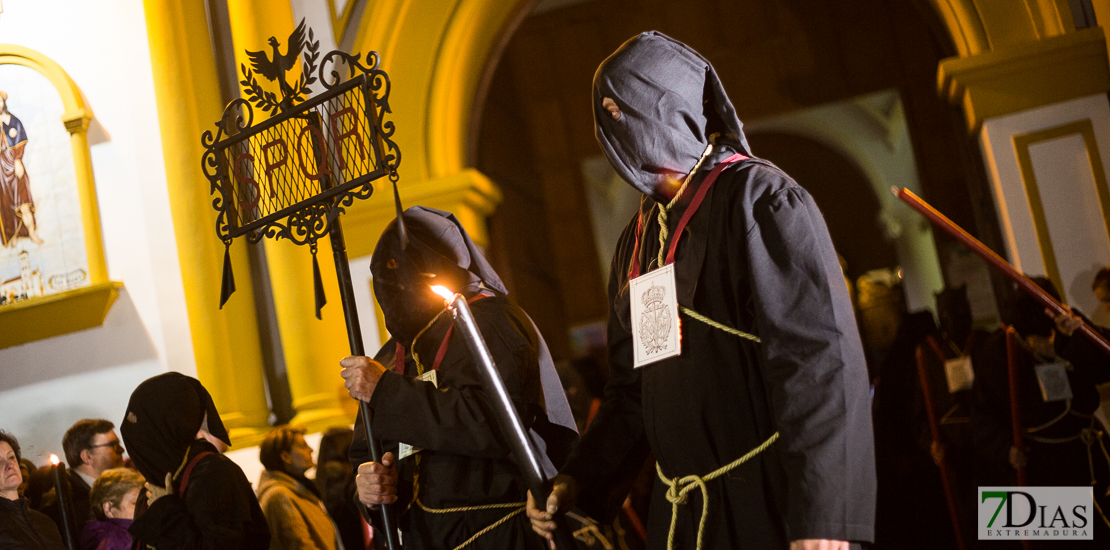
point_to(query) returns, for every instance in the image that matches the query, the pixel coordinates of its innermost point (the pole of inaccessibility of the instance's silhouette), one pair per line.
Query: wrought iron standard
(291, 176)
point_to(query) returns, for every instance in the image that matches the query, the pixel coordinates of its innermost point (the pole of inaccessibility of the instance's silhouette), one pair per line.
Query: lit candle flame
(443, 292)
(54, 459)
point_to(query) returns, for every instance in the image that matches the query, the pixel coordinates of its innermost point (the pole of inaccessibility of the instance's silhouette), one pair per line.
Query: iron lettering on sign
(321, 149)
(291, 175)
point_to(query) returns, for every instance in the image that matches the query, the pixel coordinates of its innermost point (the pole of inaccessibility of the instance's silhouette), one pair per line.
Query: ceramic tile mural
(42, 242)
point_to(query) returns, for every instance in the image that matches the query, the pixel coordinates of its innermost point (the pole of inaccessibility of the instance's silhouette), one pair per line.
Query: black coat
(79, 491)
(466, 459)
(218, 511)
(22, 528)
(757, 257)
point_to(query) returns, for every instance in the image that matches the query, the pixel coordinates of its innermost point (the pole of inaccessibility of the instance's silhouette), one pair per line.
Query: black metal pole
(354, 336)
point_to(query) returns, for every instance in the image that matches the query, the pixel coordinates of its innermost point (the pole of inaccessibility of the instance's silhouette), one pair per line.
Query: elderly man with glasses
(91, 446)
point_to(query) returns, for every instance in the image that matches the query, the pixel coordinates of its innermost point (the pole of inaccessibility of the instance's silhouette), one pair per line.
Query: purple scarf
(107, 534)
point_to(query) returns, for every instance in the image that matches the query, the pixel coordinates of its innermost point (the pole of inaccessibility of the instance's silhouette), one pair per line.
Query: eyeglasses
(115, 445)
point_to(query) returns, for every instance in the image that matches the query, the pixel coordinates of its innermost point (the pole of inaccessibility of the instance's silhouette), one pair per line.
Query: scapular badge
(655, 321)
(655, 327)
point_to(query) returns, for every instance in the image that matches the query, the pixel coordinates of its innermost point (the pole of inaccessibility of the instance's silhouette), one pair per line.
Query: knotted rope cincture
(679, 487)
(664, 232)
(518, 505)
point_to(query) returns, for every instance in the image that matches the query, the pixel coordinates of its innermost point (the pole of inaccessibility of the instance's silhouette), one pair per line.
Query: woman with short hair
(20, 526)
(112, 500)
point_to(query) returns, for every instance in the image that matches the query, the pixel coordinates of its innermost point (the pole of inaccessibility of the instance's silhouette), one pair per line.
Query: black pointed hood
(163, 417)
(671, 102)
(438, 252)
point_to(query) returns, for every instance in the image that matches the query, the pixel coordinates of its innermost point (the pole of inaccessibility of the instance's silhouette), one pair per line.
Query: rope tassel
(318, 285)
(228, 285)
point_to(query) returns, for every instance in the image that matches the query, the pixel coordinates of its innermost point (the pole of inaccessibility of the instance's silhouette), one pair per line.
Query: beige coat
(298, 520)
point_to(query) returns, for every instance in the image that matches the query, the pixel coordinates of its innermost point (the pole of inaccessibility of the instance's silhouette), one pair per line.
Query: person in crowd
(458, 483)
(290, 501)
(26, 468)
(1101, 287)
(1057, 371)
(949, 358)
(91, 446)
(196, 497)
(767, 399)
(336, 480)
(21, 528)
(112, 500)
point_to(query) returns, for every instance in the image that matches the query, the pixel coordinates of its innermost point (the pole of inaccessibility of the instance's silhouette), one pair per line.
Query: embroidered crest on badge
(655, 321)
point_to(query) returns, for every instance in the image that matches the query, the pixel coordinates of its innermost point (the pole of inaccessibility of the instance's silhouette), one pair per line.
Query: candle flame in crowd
(54, 459)
(443, 292)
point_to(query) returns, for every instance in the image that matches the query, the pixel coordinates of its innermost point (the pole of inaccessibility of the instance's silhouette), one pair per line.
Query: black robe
(22, 528)
(466, 458)
(79, 503)
(757, 257)
(219, 510)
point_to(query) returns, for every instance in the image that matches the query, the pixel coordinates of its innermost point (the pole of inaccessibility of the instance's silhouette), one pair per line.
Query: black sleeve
(814, 367)
(611, 453)
(459, 417)
(214, 513)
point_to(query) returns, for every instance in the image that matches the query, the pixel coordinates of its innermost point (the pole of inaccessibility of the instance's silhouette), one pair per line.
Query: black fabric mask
(163, 417)
(669, 101)
(438, 252)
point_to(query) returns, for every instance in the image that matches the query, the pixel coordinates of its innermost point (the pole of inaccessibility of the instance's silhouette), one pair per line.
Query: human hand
(564, 494)
(155, 492)
(819, 544)
(20, 170)
(377, 482)
(361, 376)
(936, 449)
(1018, 458)
(1066, 322)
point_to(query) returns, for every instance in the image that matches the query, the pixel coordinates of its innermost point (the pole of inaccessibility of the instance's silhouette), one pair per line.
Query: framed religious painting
(52, 271)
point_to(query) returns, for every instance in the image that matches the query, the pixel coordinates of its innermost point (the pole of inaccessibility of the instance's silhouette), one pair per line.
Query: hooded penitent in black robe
(756, 256)
(1058, 432)
(466, 458)
(218, 509)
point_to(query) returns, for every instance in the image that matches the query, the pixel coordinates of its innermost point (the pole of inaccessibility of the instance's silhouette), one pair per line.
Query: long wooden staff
(996, 261)
(1015, 406)
(934, 429)
(1015, 401)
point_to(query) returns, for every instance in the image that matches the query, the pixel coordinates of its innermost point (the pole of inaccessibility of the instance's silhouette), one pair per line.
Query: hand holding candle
(62, 493)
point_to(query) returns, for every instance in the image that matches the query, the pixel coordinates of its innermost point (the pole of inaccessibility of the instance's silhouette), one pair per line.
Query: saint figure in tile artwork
(17, 210)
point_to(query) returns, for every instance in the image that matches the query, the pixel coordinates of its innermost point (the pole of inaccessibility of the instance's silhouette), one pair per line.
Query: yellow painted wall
(225, 342)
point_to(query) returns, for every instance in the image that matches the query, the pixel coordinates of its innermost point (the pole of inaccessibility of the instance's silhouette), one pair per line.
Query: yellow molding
(76, 120)
(56, 314)
(1022, 143)
(225, 341)
(1026, 76)
(468, 194)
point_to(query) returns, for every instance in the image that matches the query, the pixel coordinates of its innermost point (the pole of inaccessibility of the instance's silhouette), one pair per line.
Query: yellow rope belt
(518, 505)
(679, 487)
(663, 232)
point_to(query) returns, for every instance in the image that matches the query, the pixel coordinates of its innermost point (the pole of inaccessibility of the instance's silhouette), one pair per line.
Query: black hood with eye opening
(671, 102)
(438, 252)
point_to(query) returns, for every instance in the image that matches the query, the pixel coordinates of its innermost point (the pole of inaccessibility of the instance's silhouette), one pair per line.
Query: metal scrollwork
(379, 86)
(309, 219)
